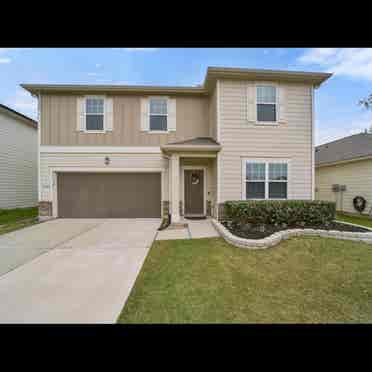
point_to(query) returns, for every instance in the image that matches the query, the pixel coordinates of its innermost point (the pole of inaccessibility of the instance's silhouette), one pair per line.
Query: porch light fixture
(107, 160)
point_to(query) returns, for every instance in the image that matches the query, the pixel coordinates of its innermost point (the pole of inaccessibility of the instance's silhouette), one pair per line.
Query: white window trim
(267, 84)
(85, 114)
(266, 181)
(149, 115)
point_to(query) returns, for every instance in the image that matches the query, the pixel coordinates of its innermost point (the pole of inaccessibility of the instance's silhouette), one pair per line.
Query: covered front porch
(192, 178)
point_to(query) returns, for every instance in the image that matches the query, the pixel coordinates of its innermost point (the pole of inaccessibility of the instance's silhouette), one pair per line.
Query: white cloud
(352, 62)
(5, 50)
(138, 49)
(5, 60)
(93, 73)
(335, 129)
(24, 103)
(98, 65)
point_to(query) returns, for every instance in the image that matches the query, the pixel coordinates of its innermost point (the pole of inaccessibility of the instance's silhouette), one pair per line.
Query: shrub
(280, 212)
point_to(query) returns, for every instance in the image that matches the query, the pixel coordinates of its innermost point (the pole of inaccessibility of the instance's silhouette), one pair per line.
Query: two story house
(146, 151)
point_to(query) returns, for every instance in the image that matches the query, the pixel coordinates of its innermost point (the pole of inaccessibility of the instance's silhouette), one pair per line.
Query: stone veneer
(277, 237)
(165, 208)
(45, 210)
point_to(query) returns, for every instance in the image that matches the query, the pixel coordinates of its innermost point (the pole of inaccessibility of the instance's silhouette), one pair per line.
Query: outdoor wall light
(107, 160)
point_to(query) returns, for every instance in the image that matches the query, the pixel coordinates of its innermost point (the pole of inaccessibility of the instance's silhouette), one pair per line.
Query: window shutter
(282, 115)
(172, 114)
(145, 121)
(80, 114)
(251, 103)
(109, 114)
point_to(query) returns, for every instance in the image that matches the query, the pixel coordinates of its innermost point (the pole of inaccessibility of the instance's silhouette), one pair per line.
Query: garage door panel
(109, 195)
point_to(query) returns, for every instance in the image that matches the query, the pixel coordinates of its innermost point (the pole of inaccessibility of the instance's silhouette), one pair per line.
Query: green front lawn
(302, 280)
(14, 219)
(357, 219)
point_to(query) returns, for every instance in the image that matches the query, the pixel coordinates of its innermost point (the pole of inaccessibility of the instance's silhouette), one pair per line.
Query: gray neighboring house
(18, 160)
(346, 162)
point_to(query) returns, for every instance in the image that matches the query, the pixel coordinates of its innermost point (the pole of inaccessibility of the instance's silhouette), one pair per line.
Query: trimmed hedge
(280, 212)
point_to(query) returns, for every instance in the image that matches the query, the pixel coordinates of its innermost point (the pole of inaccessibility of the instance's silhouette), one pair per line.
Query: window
(255, 176)
(266, 180)
(266, 103)
(94, 113)
(158, 114)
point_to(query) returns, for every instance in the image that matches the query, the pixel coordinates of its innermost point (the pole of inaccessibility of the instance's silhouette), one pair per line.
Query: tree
(366, 102)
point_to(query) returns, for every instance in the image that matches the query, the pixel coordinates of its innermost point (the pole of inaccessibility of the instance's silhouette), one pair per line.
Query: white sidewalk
(196, 229)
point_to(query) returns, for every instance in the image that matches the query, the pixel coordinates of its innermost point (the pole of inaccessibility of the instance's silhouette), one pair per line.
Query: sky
(337, 113)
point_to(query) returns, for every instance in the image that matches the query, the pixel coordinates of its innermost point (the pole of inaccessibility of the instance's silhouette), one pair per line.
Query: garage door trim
(55, 170)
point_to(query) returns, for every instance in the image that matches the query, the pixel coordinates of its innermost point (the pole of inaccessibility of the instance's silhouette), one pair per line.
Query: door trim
(194, 167)
(53, 173)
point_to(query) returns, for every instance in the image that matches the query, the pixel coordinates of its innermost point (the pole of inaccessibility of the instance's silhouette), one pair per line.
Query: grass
(15, 219)
(302, 280)
(357, 219)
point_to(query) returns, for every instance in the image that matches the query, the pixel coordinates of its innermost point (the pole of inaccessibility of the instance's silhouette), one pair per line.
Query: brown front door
(194, 192)
(109, 195)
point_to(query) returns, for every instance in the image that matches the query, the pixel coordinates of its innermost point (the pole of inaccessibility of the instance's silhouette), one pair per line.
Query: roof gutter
(368, 157)
(188, 148)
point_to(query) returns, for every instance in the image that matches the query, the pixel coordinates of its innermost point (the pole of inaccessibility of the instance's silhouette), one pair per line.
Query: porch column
(175, 201)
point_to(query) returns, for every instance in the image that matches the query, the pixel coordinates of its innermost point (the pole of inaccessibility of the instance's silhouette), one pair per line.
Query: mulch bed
(262, 231)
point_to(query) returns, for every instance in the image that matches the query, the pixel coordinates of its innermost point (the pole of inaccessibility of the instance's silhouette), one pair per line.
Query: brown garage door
(109, 195)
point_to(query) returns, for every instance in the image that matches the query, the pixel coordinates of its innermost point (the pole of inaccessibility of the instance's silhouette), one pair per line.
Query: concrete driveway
(71, 270)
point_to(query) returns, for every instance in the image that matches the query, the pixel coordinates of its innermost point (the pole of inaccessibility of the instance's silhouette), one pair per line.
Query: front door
(194, 192)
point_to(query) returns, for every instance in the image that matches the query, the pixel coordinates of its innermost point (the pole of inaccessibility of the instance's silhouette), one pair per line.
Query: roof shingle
(347, 148)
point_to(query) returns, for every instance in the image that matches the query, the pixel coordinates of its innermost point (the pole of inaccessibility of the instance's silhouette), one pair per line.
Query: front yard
(302, 280)
(14, 219)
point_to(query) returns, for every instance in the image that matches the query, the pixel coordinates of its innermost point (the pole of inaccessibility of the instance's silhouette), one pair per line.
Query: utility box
(335, 187)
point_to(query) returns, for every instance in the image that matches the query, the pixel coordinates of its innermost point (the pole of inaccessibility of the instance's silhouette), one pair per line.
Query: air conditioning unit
(335, 187)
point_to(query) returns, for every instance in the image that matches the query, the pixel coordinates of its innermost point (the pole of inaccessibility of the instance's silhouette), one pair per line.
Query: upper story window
(266, 103)
(266, 179)
(158, 114)
(94, 113)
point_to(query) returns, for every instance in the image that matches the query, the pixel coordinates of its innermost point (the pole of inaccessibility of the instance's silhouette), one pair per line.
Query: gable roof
(194, 144)
(212, 75)
(17, 115)
(348, 148)
(197, 141)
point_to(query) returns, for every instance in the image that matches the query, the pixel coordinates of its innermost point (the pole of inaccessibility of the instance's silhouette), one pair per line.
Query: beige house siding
(357, 176)
(83, 161)
(59, 126)
(18, 163)
(242, 139)
(213, 115)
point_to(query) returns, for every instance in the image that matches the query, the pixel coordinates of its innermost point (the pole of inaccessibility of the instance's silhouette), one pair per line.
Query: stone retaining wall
(277, 237)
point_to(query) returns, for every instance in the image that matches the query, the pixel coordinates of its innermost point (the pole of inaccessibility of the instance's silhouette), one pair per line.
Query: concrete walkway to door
(195, 229)
(78, 271)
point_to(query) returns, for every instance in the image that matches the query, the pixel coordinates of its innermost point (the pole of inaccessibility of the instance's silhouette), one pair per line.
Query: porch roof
(199, 144)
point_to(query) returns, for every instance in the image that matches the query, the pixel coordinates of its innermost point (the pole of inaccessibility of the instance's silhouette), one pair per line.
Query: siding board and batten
(59, 126)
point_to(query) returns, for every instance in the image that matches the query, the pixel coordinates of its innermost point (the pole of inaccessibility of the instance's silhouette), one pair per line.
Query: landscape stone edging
(277, 237)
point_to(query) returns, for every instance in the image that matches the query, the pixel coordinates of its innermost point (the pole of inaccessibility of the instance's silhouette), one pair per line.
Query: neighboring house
(18, 160)
(346, 162)
(141, 151)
